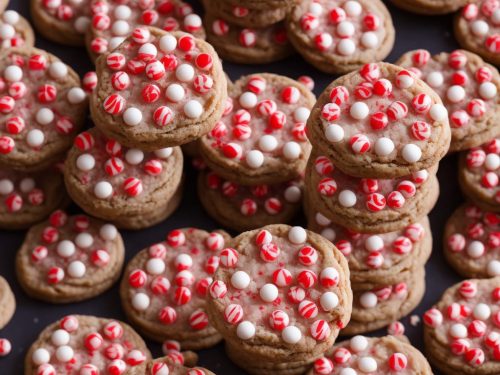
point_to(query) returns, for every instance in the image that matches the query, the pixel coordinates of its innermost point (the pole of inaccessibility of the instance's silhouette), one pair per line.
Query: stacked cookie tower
(256, 153)
(378, 134)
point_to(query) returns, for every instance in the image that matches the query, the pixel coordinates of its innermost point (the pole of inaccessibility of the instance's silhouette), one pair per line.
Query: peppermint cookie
(176, 364)
(115, 20)
(27, 199)
(279, 298)
(261, 137)
(42, 106)
(373, 355)
(7, 303)
(478, 174)
(338, 36)
(158, 89)
(368, 204)
(15, 31)
(461, 330)
(132, 188)
(468, 87)
(380, 122)
(477, 28)
(164, 287)
(379, 305)
(472, 241)
(69, 258)
(242, 208)
(430, 7)
(247, 45)
(81, 344)
(62, 21)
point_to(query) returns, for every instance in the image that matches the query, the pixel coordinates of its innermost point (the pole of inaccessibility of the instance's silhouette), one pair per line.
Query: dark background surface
(412, 32)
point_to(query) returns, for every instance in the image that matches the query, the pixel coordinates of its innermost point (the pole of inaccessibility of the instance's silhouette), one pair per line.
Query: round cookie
(377, 306)
(374, 355)
(338, 36)
(111, 24)
(242, 208)
(7, 303)
(430, 7)
(247, 45)
(477, 28)
(158, 89)
(69, 258)
(176, 363)
(279, 298)
(366, 204)
(82, 344)
(478, 174)
(29, 198)
(132, 188)
(15, 31)
(164, 287)
(380, 122)
(62, 21)
(42, 106)
(468, 87)
(261, 137)
(461, 330)
(472, 241)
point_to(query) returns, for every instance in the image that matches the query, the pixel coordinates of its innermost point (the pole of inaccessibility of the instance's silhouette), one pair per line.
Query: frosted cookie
(468, 87)
(241, 207)
(164, 288)
(477, 28)
(69, 258)
(15, 31)
(380, 122)
(42, 107)
(368, 204)
(478, 174)
(338, 36)
(461, 330)
(279, 298)
(63, 21)
(158, 89)
(430, 7)
(131, 188)
(87, 345)
(261, 136)
(7, 307)
(113, 22)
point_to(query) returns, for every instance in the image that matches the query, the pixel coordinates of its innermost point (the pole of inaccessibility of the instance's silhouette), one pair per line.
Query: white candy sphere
(108, 232)
(291, 150)
(268, 292)
(329, 301)
(13, 73)
(291, 335)
(435, 79)
(359, 110)
(40, 356)
(140, 301)
(297, 235)
(245, 330)
(268, 143)
(384, 146)
(368, 300)
(77, 269)
(132, 116)
(254, 159)
(155, 266)
(184, 73)
(60, 337)
(334, 133)
(85, 162)
(58, 70)
(193, 109)
(44, 116)
(66, 248)
(134, 156)
(358, 343)
(411, 153)
(103, 190)
(240, 280)
(64, 353)
(347, 198)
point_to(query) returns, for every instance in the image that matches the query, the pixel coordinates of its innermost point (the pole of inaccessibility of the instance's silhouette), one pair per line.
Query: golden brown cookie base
(7, 303)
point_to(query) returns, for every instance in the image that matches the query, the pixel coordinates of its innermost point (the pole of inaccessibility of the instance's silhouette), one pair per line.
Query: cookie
(367, 204)
(478, 174)
(471, 242)
(3, 5)
(176, 364)
(380, 122)
(29, 198)
(15, 31)
(377, 306)
(42, 106)
(261, 137)
(374, 257)
(374, 355)
(476, 29)
(82, 344)
(7, 304)
(468, 87)
(460, 331)
(242, 208)
(69, 258)
(247, 45)
(112, 23)
(158, 89)
(430, 7)
(338, 36)
(131, 188)
(279, 298)
(62, 21)
(164, 287)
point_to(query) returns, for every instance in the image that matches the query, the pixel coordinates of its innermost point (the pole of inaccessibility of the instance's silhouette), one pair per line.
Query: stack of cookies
(378, 135)
(256, 153)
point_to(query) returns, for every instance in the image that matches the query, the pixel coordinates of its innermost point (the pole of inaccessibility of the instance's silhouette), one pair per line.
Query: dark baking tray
(413, 31)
